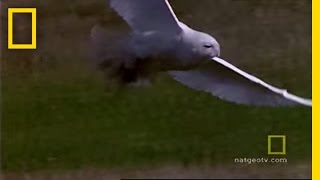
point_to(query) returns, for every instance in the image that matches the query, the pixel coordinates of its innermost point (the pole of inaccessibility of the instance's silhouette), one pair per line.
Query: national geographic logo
(11, 12)
(277, 145)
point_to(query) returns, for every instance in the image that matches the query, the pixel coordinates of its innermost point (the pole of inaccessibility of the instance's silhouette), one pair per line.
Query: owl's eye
(207, 46)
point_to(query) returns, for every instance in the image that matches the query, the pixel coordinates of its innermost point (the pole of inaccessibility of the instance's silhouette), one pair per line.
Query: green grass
(69, 122)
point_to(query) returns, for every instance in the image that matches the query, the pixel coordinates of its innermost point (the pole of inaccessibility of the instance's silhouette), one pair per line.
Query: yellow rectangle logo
(33, 12)
(281, 151)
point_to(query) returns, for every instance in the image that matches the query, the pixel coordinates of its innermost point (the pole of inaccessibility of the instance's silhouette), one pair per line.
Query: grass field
(71, 124)
(56, 114)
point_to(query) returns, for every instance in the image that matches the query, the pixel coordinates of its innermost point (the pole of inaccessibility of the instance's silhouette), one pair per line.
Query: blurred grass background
(56, 115)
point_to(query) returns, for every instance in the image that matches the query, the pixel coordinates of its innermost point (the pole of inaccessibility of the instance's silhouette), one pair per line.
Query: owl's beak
(217, 48)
